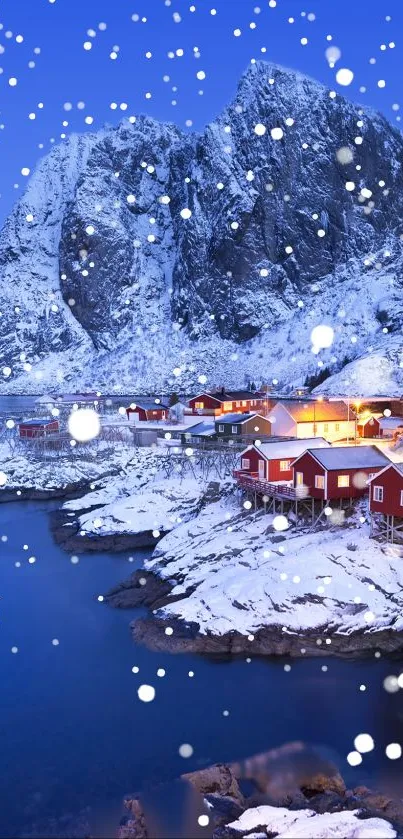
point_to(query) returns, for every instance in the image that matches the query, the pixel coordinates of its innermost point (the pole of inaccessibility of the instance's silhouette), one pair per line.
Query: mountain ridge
(109, 285)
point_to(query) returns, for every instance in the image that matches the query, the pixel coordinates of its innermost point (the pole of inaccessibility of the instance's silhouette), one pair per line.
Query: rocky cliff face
(105, 279)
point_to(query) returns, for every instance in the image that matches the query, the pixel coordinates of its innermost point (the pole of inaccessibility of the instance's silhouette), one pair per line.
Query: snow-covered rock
(306, 824)
(29, 475)
(235, 587)
(94, 294)
(158, 507)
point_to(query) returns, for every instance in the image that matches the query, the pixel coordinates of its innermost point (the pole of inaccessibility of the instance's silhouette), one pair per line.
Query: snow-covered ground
(306, 824)
(159, 507)
(234, 577)
(25, 471)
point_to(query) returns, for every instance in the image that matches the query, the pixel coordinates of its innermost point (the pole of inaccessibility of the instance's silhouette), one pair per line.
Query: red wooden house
(386, 501)
(369, 426)
(29, 429)
(229, 402)
(272, 461)
(146, 410)
(386, 491)
(338, 472)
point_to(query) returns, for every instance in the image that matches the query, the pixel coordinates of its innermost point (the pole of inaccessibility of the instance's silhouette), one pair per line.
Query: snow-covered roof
(369, 419)
(350, 457)
(147, 403)
(315, 411)
(237, 418)
(46, 421)
(289, 448)
(230, 395)
(202, 429)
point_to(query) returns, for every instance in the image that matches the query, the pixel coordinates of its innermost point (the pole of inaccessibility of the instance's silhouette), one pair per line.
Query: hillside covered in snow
(141, 256)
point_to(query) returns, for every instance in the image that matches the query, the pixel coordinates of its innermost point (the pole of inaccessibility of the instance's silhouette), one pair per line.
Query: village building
(242, 427)
(272, 461)
(314, 418)
(34, 428)
(338, 472)
(228, 402)
(386, 502)
(147, 409)
(369, 425)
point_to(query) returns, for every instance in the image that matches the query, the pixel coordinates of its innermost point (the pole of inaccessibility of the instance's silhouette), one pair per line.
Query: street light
(357, 408)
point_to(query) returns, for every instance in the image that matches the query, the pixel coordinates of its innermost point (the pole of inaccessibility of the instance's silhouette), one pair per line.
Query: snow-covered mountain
(140, 255)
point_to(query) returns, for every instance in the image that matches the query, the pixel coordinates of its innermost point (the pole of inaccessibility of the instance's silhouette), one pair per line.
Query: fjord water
(74, 733)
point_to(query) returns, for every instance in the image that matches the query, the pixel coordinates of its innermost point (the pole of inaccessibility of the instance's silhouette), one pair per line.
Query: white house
(331, 420)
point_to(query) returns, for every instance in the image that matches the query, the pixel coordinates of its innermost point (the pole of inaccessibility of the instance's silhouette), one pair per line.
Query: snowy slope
(107, 284)
(232, 577)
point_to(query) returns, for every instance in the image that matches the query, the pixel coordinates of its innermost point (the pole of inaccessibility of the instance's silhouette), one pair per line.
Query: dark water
(73, 732)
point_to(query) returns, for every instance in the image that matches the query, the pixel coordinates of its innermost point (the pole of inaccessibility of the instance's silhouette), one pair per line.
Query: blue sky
(65, 73)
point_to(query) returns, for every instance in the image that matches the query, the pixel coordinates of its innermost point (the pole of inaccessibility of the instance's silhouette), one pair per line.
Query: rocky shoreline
(293, 783)
(65, 493)
(143, 588)
(66, 532)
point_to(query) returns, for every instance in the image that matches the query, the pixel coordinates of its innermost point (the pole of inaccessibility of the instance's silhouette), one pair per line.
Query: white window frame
(244, 404)
(377, 494)
(401, 497)
(345, 481)
(285, 465)
(337, 426)
(237, 404)
(318, 482)
(234, 429)
(299, 479)
(325, 427)
(245, 463)
(221, 429)
(199, 406)
(227, 406)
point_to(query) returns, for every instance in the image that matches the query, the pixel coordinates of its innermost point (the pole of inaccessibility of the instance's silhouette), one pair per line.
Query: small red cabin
(147, 410)
(32, 428)
(369, 426)
(386, 491)
(338, 472)
(273, 461)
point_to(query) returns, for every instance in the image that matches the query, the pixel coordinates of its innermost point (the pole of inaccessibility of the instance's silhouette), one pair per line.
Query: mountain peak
(138, 250)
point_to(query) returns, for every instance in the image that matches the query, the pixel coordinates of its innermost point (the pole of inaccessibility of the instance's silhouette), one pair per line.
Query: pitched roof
(350, 457)
(391, 465)
(148, 403)
(289, 449)
(369, 419)
(231, 395)
(202, 429)
(315, 411)
(38, 421)
(237, 418)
